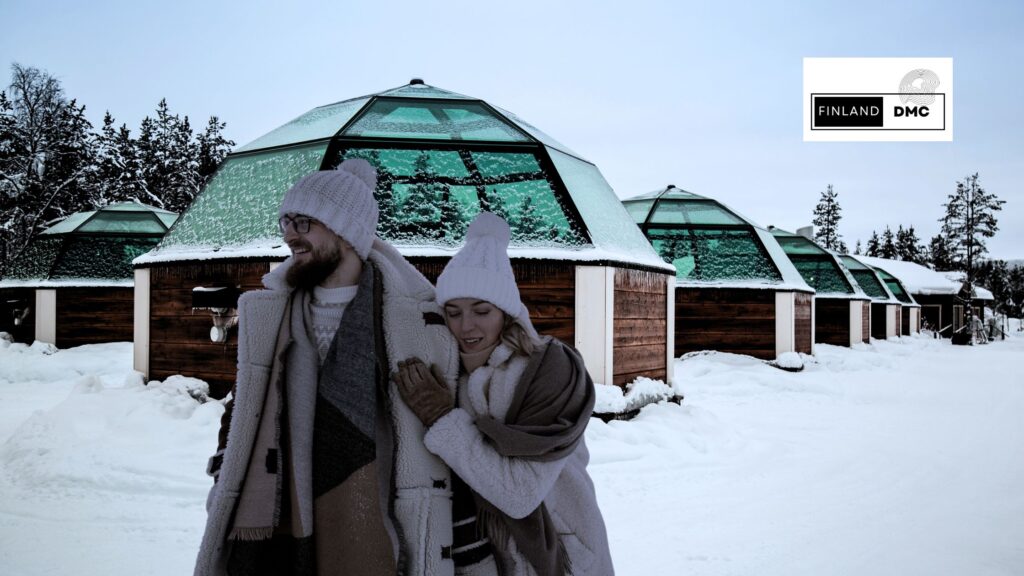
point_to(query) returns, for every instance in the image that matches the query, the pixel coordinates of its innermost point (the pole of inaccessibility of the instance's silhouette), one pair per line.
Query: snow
(920, 279)
(66, 283)
(904, 456)
(274, 249)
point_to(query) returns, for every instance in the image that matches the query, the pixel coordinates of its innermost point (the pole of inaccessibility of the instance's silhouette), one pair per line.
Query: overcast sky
(706, 96)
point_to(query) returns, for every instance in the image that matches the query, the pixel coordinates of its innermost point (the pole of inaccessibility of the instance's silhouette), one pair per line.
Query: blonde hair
(517, 338)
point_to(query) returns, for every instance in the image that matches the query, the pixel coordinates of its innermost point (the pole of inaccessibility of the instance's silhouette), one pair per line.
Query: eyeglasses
(298, 223)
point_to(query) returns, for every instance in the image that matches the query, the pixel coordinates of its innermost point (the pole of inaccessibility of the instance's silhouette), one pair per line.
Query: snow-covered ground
(905, 457)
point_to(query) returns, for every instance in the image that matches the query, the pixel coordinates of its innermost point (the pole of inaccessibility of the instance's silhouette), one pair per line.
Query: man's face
(316, 253)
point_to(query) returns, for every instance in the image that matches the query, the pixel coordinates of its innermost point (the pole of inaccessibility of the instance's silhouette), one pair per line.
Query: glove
(423, 390)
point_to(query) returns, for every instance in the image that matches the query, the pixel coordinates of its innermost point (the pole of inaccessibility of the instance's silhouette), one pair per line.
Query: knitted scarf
(546, 420)
(311, 502)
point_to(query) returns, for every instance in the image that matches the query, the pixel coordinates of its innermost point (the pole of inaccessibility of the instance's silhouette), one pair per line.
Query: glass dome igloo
(93, 247)
(822, 269)
(708, 242)
(441, 157)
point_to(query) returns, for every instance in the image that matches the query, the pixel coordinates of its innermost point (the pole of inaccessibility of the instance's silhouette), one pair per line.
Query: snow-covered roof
(710, 244)
(920, 279)
(441, 158)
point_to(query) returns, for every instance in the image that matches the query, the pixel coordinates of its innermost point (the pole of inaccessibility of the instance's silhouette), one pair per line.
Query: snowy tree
(827, 215)
(874, 245)
(46, 157)
(494, 203)
(212, 147)
(939, 254)
(887, 248)
(908, 246)
(421, 214)
(857, 248)
(970, 218)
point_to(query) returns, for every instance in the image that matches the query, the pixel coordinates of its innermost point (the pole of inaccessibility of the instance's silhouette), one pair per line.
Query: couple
(377, 427)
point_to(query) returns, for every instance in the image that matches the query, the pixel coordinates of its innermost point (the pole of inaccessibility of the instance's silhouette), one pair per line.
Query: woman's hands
(423, 390)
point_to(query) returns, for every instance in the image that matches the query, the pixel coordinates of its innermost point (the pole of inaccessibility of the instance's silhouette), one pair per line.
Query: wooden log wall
(11, 299)
(94, 315)
(803, 306)
(640, 326)
(832, 321)
(865, 322)
(179, 337)
(727, 319)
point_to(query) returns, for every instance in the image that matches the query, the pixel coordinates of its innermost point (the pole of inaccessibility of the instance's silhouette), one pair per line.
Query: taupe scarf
(546, 421)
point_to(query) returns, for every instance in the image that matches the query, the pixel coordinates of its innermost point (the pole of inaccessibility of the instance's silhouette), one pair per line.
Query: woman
(513, 436)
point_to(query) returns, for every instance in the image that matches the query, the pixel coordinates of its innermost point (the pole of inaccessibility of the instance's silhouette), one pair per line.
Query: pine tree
(856, 250)
(421, 214)
(970, 218)
(939, 255)
(874, 245)
(887, 249)
(212, 147)
(494, 203)
(827, 215)
(908, 246)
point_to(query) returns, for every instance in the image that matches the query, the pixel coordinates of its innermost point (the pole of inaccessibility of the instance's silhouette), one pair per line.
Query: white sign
(878, 99)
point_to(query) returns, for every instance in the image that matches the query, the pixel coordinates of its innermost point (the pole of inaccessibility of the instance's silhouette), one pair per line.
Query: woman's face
(476, 324)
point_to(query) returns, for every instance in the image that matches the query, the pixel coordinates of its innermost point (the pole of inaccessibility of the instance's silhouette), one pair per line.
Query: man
(322, 468)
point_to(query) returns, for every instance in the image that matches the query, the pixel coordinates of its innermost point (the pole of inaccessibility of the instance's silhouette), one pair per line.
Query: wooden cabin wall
(548, 288)
(803, 306)
(179, 337)
(727, 319)
(865, 322)
(26, 331)
(832, 321)
(94, 315)
(905, 321)
(640, 326)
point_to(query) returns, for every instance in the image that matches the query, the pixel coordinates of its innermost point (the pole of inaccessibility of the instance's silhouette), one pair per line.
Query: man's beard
(321, 263)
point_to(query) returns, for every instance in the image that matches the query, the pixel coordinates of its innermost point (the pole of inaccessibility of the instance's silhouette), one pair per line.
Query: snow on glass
(429, 196)
(713, 254)
(240, 203)
(448, 120)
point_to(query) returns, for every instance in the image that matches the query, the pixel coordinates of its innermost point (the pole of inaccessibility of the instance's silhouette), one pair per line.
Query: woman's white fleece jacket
(518, 486)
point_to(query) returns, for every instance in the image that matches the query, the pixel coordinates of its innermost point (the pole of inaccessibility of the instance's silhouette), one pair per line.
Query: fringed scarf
(317, 500)
(546, 420)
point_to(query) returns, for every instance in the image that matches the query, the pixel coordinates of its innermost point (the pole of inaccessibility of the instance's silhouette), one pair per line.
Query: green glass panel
(823, 275)
(853, 263)
(124, 222)
(101, 257)
(69, 224)
(869, 282)
(894, 286)
(429, 197)
(423, 91)
(638, 209)
(36, 260)
(319, 123)
(713, 255)
(240, 203)
(798, 245)
(451, 120)
(689, 212)
(607, 221)
(168, 218)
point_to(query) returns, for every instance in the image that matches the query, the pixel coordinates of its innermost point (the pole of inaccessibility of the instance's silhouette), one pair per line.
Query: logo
(852, 99)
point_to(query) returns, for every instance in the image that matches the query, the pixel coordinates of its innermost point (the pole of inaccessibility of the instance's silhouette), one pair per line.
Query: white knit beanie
(341, 199)
(481, 269)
